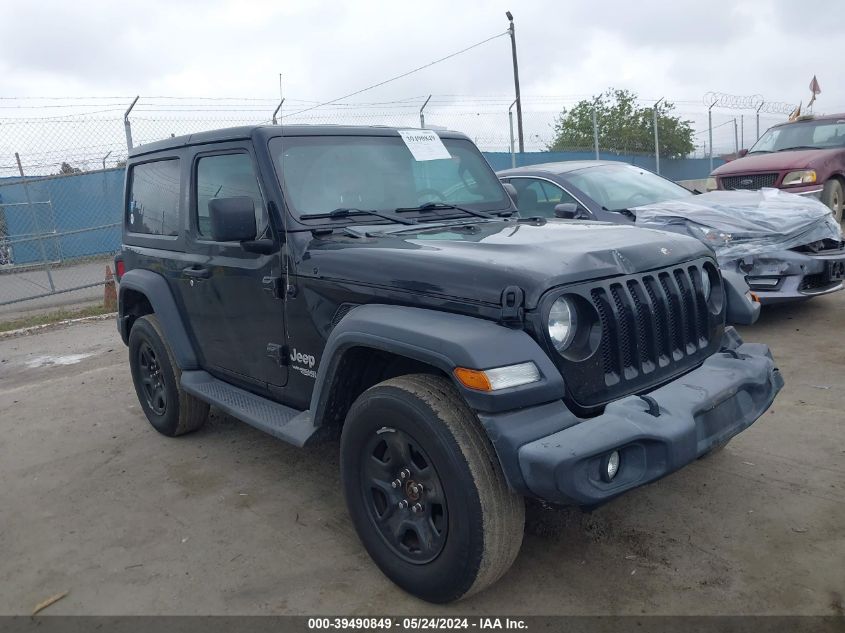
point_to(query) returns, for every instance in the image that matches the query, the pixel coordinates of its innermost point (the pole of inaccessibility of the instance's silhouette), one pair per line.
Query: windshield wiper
(345, 212)
(784, 149)
(436, 206)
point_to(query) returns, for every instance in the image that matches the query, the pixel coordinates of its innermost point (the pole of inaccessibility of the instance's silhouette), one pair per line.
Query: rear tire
(833, 195)
(156, 375)
(468, 527)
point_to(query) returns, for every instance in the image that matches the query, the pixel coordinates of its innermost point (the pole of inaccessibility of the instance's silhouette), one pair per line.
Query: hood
(776, 161)
(477, 261)
(739, 223)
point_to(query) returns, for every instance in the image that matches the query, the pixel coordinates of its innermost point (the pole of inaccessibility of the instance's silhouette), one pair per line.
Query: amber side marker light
(473, 379)
(498, 377)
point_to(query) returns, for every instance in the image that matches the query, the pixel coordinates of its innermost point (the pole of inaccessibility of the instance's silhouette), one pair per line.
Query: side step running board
(290, 425)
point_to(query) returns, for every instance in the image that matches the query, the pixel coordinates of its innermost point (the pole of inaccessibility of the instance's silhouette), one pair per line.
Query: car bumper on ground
(787, 276)
(654, 435)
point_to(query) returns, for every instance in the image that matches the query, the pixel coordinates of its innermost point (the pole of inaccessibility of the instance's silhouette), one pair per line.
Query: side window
(226, 176)
(539, 197)
(154, 198)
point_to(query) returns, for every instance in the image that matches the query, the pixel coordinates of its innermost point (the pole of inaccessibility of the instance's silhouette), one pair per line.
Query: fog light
(610, 466)
(763, 282)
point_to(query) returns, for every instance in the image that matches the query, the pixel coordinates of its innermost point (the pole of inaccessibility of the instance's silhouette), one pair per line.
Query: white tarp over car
(739, 223)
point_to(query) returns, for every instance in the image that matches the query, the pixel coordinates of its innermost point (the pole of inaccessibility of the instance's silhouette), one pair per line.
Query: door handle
(195, 272)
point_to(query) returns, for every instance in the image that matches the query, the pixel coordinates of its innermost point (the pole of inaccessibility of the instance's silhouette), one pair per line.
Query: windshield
(617, 187)
(802, 135)
(324, 173)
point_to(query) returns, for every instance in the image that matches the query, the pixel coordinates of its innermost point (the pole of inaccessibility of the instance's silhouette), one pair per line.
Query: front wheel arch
(355, 370)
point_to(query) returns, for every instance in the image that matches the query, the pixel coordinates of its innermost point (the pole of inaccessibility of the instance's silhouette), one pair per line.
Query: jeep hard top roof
(265, 132)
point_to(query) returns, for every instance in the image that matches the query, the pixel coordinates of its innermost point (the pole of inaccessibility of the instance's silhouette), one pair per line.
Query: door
(537, 198)
(235, 317)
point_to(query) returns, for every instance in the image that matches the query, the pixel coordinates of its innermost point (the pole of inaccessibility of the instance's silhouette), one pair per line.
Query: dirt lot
(230, 521)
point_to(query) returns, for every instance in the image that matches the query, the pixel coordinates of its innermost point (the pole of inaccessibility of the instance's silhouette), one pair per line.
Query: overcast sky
(678, 49)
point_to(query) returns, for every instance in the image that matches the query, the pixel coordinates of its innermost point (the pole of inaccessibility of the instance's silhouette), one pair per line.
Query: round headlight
(706, 287)
(563, 322)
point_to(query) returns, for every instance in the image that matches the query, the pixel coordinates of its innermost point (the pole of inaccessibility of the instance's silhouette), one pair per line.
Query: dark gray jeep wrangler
(378, 284)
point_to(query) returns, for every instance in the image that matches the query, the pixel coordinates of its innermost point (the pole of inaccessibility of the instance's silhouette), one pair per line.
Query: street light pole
(512, 32)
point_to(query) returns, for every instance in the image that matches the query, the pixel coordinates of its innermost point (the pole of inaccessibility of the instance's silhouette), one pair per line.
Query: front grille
(749, 181)
(653, 326)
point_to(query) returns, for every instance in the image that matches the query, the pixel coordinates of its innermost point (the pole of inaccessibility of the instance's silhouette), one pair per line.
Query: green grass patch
(52, 317)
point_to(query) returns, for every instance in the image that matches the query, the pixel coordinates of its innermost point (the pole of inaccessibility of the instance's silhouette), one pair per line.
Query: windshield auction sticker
(424, 145)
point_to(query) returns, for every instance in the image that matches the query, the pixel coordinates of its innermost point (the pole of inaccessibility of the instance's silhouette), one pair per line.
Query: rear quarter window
(153, 201)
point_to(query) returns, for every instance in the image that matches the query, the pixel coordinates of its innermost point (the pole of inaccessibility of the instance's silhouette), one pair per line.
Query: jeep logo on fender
(302, 359)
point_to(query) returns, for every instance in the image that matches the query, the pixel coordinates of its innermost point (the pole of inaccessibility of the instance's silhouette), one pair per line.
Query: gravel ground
(230, 521)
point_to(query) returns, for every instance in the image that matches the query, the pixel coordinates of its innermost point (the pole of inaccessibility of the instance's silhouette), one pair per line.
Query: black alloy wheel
(404, 496)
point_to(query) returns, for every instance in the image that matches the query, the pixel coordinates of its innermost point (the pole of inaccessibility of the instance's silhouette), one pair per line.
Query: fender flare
(154, 287)
(445, 341)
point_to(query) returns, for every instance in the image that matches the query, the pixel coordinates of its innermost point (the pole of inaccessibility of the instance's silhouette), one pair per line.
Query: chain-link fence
(61, 177)
(57, 234)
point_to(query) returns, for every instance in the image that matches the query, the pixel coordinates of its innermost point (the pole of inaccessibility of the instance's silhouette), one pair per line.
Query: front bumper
(696, 412)
(787, 276)
(811, 191)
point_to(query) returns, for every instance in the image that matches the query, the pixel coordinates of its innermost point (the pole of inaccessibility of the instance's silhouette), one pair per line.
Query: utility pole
(758, 120)
(512, 32)
(656, 141)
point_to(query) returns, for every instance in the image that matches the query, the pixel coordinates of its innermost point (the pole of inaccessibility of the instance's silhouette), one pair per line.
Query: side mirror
(514, 196)
(232, 219)
(741, 153)
(567, 211)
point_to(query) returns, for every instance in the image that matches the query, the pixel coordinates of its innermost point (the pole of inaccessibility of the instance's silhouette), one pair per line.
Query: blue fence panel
(66, 217)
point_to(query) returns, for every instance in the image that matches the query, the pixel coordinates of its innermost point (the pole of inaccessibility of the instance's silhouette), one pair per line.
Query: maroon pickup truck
(806, 157)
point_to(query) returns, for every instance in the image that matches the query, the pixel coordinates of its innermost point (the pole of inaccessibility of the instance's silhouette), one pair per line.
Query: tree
(624, 126)
(67, 169)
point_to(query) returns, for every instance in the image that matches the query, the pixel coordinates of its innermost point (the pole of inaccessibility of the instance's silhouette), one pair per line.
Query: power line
(410, 72)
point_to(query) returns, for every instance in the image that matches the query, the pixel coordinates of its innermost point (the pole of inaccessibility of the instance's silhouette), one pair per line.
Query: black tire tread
(193, 412)
(503, 511)
(827, 195)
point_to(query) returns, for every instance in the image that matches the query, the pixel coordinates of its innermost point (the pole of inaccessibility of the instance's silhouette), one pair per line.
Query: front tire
(155, 373)
(425, 490)
(833, 195)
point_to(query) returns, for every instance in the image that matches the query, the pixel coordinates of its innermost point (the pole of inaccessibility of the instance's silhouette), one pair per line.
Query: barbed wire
(754, 102)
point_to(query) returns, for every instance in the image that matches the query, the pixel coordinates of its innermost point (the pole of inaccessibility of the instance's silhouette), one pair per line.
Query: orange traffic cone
(109, 292)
